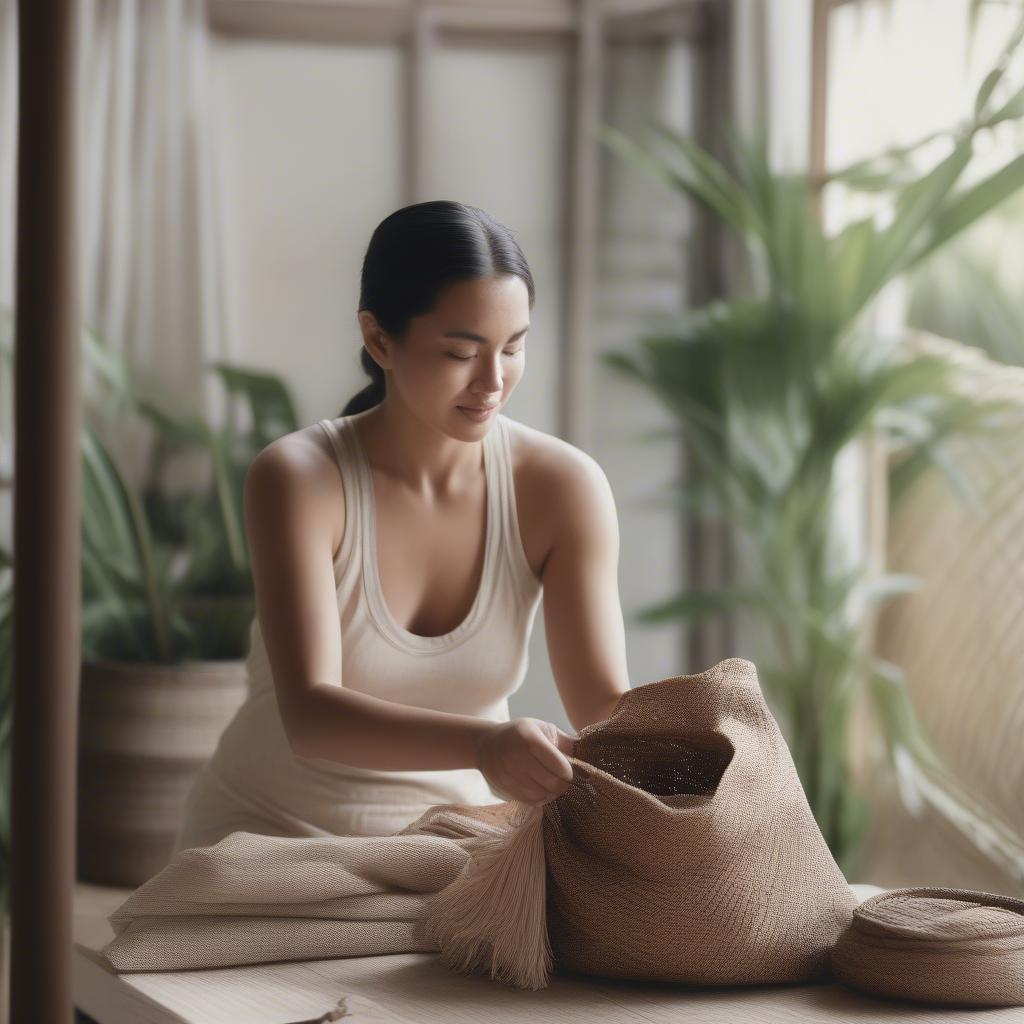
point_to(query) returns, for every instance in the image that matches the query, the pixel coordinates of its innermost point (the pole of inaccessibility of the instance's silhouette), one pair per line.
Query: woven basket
(950, 947)
(144, 733)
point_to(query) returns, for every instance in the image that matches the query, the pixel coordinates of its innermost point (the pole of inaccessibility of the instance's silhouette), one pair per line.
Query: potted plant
(167, 607)
(167, 603)
(771, 388)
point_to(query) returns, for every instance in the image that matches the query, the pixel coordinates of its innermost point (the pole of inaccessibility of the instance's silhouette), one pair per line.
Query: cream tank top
(254, 782)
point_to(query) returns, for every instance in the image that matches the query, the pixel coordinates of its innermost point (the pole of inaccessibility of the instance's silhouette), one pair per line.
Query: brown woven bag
(684, 850)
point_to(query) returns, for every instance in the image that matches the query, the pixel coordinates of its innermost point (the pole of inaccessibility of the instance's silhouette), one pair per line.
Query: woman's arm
(582, 614)
(293, 502)
(367, 732)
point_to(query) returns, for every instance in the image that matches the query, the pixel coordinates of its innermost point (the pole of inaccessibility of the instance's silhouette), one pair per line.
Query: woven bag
(684, 850)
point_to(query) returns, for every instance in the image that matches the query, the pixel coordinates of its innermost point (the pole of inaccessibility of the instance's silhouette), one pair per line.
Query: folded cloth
(261, 899)
(684, 850)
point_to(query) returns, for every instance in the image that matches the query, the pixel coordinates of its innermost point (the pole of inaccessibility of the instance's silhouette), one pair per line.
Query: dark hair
(414, 254)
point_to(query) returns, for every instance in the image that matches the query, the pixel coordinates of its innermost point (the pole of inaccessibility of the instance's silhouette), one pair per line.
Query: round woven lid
(936, 945)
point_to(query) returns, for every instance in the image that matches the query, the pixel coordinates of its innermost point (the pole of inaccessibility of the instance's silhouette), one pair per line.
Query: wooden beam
(819, 99)
(689, 22)
(708, 545)
(421, 45)
(540, 21)
(47, 578)
(576, 377)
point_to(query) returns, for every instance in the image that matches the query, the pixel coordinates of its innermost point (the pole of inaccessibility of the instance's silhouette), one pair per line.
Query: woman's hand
(525, 759)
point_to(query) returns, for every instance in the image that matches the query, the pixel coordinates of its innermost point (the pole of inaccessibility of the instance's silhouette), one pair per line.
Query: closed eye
(462, 359)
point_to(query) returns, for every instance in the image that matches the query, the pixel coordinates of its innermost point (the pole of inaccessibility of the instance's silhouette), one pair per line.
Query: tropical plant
(165, 576)
(770, 389)
(964, 292)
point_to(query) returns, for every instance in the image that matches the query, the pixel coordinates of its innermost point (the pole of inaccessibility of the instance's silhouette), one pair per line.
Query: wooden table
(414, 988)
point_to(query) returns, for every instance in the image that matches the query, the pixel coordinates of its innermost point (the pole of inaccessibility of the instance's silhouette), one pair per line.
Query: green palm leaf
(770, 390)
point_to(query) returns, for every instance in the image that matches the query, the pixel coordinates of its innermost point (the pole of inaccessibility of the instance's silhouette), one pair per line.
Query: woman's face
(439, 368)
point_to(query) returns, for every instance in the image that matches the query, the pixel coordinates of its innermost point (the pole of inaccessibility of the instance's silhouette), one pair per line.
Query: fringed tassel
(491, 918)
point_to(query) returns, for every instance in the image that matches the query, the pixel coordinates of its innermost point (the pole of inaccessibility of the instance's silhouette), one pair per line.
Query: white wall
(311, 164)
(311, 142)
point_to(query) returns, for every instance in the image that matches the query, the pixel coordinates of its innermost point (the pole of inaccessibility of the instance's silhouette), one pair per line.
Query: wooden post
(819, 99)
(47, 579)
(420, 45)
(581, 237)
(708, 546)
(875, 506)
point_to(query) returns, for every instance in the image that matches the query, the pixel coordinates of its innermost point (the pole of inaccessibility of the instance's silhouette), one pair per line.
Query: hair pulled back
(414, 254)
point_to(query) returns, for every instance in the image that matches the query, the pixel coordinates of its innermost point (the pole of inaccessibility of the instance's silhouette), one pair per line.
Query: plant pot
(145, 731)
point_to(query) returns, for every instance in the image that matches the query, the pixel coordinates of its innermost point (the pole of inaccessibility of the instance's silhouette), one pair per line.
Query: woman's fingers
(553, 760)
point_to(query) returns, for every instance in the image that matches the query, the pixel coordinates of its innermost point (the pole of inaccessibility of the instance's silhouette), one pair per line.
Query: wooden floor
(414, 988)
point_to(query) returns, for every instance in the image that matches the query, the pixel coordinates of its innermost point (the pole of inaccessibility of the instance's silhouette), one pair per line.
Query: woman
(399, 553)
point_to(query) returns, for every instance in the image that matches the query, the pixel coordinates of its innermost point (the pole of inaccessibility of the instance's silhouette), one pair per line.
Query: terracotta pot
(145, 731)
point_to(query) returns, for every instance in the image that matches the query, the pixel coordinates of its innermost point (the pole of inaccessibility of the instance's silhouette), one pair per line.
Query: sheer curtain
(152, 285)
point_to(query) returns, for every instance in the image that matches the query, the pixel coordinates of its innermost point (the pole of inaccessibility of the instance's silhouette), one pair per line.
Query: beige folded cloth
(258, 899)
(684, 850)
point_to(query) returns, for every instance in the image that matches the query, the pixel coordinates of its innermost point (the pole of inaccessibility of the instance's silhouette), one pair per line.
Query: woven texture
(684, 850)
(938, 945)
(960, 640)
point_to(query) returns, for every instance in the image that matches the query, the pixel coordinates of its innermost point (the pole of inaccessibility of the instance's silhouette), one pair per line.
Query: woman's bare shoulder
(545, 457)
(558, 487)
(305, 456)
(300, 468)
